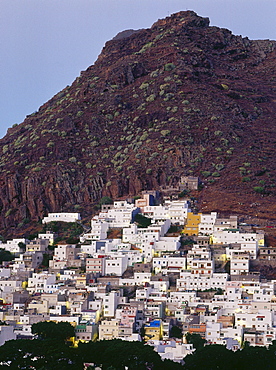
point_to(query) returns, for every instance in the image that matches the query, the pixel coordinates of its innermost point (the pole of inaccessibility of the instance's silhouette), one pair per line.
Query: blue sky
(45, 44)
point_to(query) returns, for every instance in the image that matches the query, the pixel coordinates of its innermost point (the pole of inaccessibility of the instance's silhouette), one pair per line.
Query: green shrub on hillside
(169, 67)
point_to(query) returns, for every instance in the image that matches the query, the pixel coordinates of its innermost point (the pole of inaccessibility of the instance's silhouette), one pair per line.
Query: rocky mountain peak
(182, 19)
(179, 98)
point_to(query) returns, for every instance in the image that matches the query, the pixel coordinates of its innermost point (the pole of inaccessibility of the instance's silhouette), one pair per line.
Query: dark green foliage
(72, 240)
(5, 255)
(219, 291)
(257, 357)
(120, 354)
(187, 241)
(195, 340)
(142, 221)
(46, 259)
(48, 354)
(32, 236)
(206, 173)
(170, 365)
(259, 189)
(106, 200)
(218, 357)
(183, 194)
(169, 66)
(68, 231)
(173, 229)
(51, 247)
(36, 354)
(210, 357)
(51, 330)
(176, 332)
(261, 172)
(22, 246)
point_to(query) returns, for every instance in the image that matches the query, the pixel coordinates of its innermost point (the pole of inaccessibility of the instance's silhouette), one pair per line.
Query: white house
(239, 263)
(98, 230)
(96, 265)
(172, 350)
(10, 284)
(156, 213)
(110, 303)
(201, 267)
(188, 281)
(169, 263)
(140, 278)
(116, 265)
(5, 273)
(143, 293)
(234, 236)
(134, 235)
(48, 236)
(93, 246)
(41, 282)
(13, 245)
(259, 321)
(122, 215)
(178, 210)
(198, 252)
(182, 298)
(206, 225)
(62, 216)
(216, 334)
(226, 223)
(167, 243)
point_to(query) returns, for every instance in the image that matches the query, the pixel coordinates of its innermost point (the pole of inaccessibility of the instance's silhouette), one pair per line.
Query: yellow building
(191, 226)
(153, 330)
(81, 281)
(109, 329)
(86, 333)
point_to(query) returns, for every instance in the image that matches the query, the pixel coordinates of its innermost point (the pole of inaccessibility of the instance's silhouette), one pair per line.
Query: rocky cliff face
(180, 98)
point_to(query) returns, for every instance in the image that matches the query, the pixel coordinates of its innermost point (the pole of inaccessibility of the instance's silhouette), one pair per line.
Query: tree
(217, 356)
(5, 255)
(142, 221)
(142, 332)
(195, 340)
(120, 354)
(22, 246)
(51, 330)
(183, 193)
(256, 357)
(39, 354)
(46, 259)
(219, 291)
(171, 365)
(106, 200)
(176, 332)
(211, 357)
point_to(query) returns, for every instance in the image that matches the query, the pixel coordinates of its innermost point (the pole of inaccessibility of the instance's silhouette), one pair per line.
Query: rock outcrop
(180, 98)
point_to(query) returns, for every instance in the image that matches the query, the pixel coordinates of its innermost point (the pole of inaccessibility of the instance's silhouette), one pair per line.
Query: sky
(45, 44)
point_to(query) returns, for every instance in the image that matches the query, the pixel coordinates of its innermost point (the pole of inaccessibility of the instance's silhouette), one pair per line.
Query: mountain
(179, 98)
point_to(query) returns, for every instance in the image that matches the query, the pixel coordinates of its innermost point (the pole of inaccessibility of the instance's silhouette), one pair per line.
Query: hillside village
(144, 268)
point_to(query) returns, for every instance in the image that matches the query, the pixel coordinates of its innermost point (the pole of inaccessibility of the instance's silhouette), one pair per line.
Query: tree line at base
(51, 350)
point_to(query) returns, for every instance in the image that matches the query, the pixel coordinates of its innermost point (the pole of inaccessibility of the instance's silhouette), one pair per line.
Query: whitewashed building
(62, 216)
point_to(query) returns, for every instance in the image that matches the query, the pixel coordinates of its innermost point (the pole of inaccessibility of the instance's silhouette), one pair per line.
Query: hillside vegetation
(179, 98)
